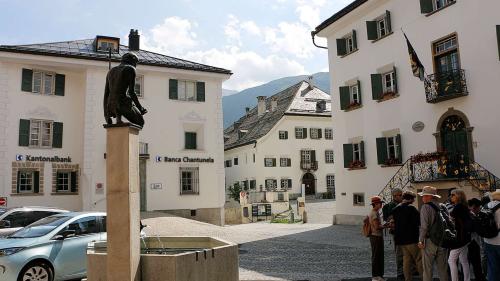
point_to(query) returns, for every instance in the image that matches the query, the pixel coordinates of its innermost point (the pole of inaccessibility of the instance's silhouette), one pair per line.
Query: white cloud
(174, 36)
(290, 38)
(232, 30)
(249, 68)
(309, 15)
(251, 27)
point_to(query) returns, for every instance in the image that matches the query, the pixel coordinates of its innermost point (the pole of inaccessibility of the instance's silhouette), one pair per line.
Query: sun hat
(429, 190)
(495, 195)
(376, 199)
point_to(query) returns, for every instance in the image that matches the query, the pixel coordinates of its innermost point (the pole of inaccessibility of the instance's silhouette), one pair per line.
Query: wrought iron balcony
(309, 165)
(445, 85)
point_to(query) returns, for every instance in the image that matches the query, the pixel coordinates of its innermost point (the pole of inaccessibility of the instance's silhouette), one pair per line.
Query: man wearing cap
(397, 198)
(492, 245)
(406, 225)
(376, 239)
(430, 252)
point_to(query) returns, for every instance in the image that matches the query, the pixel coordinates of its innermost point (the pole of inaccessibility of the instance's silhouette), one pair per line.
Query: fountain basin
(174, 259)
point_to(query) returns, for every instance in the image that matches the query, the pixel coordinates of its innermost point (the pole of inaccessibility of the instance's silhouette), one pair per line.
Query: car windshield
(2, 211)
(40, 228)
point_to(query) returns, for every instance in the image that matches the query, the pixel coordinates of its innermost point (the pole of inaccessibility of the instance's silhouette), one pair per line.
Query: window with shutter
(341, 47)
(348, 154)
(377, 89)
(381, 151)
(269, 162)
(283, 135)
(200, 91)
(57, 136)
(190, 140)
(235, 161)
(345, 97)
(24, 132)
(328, 133)
(27, 80)
(253, 184)
(42, 82)
(172, 89)
(329, 156)
(371, 30)
(300, 133)
(40, 133)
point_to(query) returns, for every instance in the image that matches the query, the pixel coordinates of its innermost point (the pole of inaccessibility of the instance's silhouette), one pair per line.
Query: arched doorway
(455, 142)
(310, 183)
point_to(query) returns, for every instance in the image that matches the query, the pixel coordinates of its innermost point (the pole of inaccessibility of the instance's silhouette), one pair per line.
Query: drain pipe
(313, 33)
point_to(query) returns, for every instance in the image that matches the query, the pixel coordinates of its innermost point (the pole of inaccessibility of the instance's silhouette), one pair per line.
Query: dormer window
(104, 43)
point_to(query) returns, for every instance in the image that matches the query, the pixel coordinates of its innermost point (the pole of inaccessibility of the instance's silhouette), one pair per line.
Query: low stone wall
(209, 215)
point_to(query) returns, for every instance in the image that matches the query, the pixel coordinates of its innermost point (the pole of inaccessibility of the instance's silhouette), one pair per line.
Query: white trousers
(461, 255)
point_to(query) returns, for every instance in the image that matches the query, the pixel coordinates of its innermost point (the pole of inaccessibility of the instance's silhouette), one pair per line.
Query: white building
(384, 115)
(52, 143)
(282, 143)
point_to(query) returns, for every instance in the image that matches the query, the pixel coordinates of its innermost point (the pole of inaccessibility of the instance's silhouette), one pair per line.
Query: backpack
(484, 223)
(442, 232)
(366, 230)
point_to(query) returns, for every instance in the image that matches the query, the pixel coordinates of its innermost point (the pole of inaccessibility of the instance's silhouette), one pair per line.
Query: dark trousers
(377, 244)
(475, 260)
(493, 256)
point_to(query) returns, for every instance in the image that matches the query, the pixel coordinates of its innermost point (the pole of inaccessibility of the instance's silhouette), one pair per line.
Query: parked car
(12, 219)
(53, 248)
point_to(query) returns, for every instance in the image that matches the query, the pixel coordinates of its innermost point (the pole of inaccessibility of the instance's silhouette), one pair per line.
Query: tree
(234, 191)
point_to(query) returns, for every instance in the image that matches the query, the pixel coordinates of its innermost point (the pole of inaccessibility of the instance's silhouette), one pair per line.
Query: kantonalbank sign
(184, 159)
(31, 158)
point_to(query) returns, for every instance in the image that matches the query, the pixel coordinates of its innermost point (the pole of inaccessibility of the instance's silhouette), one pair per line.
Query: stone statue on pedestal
(120, 98)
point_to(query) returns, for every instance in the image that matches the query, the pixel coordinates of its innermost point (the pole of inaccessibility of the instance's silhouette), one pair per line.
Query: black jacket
(463, 225)
(406, 224)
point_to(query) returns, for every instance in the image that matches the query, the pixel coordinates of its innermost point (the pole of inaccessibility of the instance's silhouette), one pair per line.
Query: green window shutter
(388, 21)
(289, 183)
(274, 162)
(371, 30)
(24, 132)
(347, 154)
(341, 47)
(399, 148)
(313, 155)
(286, 135)
(200, 91)
(362, 151)
(172, 89)
(345, 97)
(288, 162)
(57, 135)
(36, 181)
(395, 79)
(376, 86)
(359, 92)
(311, 132)
(354, 40)
(190, 140)
(27, 80)
(320, 134)
(426, 6)
(74, 182)
(381, 151)
(18, 180)
(60, 82)
(498, 40)
(304, 133)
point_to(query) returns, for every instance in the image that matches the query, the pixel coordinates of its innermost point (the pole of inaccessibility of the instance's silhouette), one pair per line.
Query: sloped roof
(298, 99)
(85, 49)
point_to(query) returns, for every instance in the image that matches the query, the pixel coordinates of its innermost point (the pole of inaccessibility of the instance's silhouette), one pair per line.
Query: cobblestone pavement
(313, 251)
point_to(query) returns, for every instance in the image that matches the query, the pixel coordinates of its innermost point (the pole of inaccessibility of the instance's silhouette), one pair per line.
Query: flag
(416, 66)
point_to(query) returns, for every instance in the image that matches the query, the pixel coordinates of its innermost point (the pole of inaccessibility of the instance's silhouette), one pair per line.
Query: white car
(12, 219)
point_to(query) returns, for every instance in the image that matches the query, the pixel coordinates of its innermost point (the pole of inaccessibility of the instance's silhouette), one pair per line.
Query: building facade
(283, 143)
(391, 128)
(52, 143)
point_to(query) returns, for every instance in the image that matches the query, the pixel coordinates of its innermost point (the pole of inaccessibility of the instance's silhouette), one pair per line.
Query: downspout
(313, 33)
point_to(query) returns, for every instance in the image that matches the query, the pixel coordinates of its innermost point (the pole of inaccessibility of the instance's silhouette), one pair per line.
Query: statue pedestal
(122, 202)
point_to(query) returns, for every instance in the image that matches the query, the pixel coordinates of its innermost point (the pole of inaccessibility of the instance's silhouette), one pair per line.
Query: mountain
(226, 92)
(233, 106)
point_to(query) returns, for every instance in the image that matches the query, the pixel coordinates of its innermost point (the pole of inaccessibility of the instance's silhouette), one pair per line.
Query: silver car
(53, 248)
(13, 219)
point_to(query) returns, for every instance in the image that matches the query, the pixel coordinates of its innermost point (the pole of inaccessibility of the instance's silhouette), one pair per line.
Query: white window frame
(328, 133)
(314, 133)
(356, 152)
(67, 184)
(183, 90)
(282, 135)
(42, 76)
(330, 181)
(329, 156)
(381, 27)
(388, 82)
(444, 3)
(193, 181)
(358, 202)
(26, 181)
(37, 138)
(393, 146)
(284, 162)
(299, 133)
(354, 93)
(139, 82)
(349, 41)
(271, 184)
(284, 183)
(268, 162)
(443, 46)
(306, 155)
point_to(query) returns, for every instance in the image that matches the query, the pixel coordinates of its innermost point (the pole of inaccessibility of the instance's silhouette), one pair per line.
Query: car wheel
(37, 271)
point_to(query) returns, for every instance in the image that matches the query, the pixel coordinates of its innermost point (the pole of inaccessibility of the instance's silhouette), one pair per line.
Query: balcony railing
(309, 165)
(445, 85)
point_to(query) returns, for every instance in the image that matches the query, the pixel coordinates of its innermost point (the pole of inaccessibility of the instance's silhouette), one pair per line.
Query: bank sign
(31, 158)
(184, 159)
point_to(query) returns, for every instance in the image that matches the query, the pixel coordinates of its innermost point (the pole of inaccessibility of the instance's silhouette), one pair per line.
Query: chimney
(261, 105)
(310, 81)
(247, 110)
(133, 40)
(274, 104)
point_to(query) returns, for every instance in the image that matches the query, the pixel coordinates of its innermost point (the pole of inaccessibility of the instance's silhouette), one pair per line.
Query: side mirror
(4, 224)
(65, 234)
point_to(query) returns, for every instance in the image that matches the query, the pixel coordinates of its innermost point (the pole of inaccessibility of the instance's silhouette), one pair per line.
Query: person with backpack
(428, 241)
(463, 225)
(397, 198)
(476, 240)
(406, 224)
(376, 239)
(492, 244)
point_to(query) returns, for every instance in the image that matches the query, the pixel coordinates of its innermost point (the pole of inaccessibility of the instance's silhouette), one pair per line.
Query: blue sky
(259, 40)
